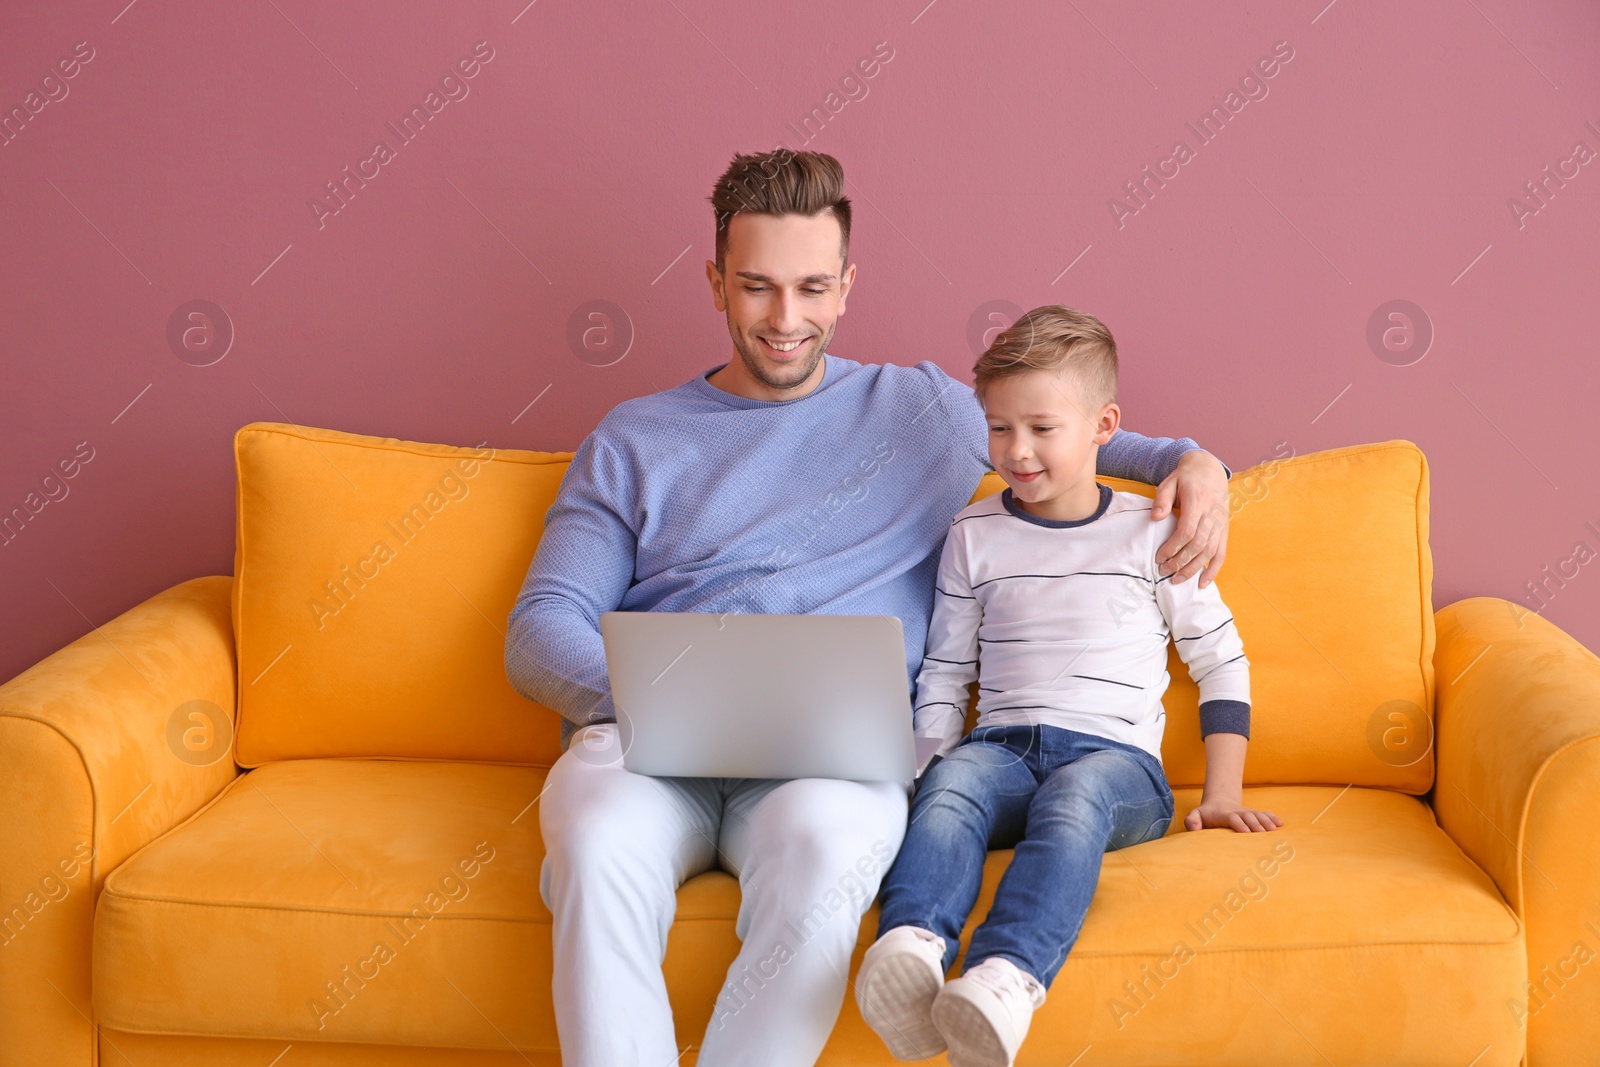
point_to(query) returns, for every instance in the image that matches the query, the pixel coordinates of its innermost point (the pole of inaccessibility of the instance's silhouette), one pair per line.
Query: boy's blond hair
(1054, 338)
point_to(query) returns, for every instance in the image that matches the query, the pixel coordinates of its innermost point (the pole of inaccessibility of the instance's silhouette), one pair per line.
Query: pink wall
(983, 156)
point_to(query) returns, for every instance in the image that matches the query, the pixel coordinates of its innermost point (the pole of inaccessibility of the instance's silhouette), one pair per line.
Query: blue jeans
(1061, 798)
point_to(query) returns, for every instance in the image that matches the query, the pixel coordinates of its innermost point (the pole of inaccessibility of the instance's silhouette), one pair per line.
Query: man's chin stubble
(754, 365)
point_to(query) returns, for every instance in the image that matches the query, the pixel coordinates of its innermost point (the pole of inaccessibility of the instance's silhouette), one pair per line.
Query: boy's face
(1042, 437)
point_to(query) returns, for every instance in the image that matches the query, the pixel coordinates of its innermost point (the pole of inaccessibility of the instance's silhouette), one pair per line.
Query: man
(787, 480)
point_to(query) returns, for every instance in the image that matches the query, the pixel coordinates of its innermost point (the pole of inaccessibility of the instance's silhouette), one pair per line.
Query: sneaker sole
(971, 1038)
(897, 1003)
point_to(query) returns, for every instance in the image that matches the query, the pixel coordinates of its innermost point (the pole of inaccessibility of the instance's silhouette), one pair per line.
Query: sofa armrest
(1518, 725)
(88, 777)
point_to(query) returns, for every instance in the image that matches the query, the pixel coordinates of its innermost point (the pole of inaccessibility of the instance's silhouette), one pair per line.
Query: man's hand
(1200, 487)
(1212, 814)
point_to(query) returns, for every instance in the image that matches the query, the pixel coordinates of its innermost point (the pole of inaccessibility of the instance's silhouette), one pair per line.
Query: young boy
(1051, 583)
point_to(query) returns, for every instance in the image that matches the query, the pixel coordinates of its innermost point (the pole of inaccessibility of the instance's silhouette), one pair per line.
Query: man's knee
(839, 847)
(588, 838)
(596, 829)
(831, 895)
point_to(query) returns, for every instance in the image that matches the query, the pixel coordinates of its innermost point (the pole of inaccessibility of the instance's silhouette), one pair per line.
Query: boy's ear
(1110, 420)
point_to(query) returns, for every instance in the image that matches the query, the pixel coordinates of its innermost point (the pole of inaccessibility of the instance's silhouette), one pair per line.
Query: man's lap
(591, 803)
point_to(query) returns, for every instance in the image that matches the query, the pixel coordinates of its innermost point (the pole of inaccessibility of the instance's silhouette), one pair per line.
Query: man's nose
(786, 317)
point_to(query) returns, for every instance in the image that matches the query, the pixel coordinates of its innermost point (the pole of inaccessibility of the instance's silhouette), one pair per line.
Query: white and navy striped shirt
(1070, 622)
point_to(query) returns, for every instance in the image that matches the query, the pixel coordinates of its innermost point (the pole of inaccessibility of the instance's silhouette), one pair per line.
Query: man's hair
(1054, 338)
(781, 182)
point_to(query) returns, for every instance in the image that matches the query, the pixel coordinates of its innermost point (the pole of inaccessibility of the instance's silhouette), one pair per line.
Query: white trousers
(809, 854)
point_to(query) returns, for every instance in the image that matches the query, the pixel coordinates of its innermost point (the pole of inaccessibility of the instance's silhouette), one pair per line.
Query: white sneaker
(900, 975)
(984, 1015)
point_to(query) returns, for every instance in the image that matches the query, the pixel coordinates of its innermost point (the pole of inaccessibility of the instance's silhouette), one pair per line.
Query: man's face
(1041, 433)
(782, 290)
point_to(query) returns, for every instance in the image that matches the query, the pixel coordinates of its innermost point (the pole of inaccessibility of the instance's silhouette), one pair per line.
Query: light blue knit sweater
(695, 499)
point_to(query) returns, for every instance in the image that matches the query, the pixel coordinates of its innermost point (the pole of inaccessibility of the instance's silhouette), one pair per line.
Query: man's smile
(783, 347)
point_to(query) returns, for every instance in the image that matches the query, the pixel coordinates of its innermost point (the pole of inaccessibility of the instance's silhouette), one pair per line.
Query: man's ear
(846, 280)
(719, 295)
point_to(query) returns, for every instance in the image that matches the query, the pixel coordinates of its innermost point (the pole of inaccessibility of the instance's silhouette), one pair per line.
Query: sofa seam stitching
(367, 441)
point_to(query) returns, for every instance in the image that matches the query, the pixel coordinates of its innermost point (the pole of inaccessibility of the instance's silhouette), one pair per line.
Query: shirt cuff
(1225, 717)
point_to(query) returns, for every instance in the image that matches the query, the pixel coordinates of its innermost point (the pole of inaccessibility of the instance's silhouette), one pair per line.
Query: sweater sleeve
(583, 566)
(951, 662)
(1143, 459)
(1208, 642)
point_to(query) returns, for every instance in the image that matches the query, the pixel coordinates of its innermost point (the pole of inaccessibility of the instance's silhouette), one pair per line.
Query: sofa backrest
(374, 578)
(372, 583)
(1329, 578)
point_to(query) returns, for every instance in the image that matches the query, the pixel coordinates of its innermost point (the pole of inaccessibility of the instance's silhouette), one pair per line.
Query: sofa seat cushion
(1358, 933)
(397, 903)
(359, 901)
(340, 900)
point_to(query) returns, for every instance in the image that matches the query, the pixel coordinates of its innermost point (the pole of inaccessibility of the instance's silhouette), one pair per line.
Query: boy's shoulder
(1123, 506)
(989, 505)
(1136, 505)
(1140, 533)
(1124, 502)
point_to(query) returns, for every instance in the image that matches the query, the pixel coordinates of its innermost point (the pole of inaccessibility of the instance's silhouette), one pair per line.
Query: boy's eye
(1043, 429)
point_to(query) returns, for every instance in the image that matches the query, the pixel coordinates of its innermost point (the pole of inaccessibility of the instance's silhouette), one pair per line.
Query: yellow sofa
(288, 817)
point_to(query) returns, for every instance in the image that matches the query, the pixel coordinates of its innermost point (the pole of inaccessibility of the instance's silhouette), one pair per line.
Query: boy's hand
(1200, 487)
(1214, 814)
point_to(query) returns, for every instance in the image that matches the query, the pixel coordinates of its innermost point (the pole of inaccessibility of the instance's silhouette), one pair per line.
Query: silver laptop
(760, 696)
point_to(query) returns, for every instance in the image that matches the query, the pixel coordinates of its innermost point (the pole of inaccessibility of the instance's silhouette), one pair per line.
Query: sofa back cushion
(1329, 579)
(373, 581)
(374, 578)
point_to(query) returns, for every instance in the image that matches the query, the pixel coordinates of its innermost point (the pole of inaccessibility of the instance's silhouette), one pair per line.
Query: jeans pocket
(1139, 821)
(1157, 827)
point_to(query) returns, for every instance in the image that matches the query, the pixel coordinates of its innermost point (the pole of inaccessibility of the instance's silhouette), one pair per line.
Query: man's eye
(813, 292)
(755, 288)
